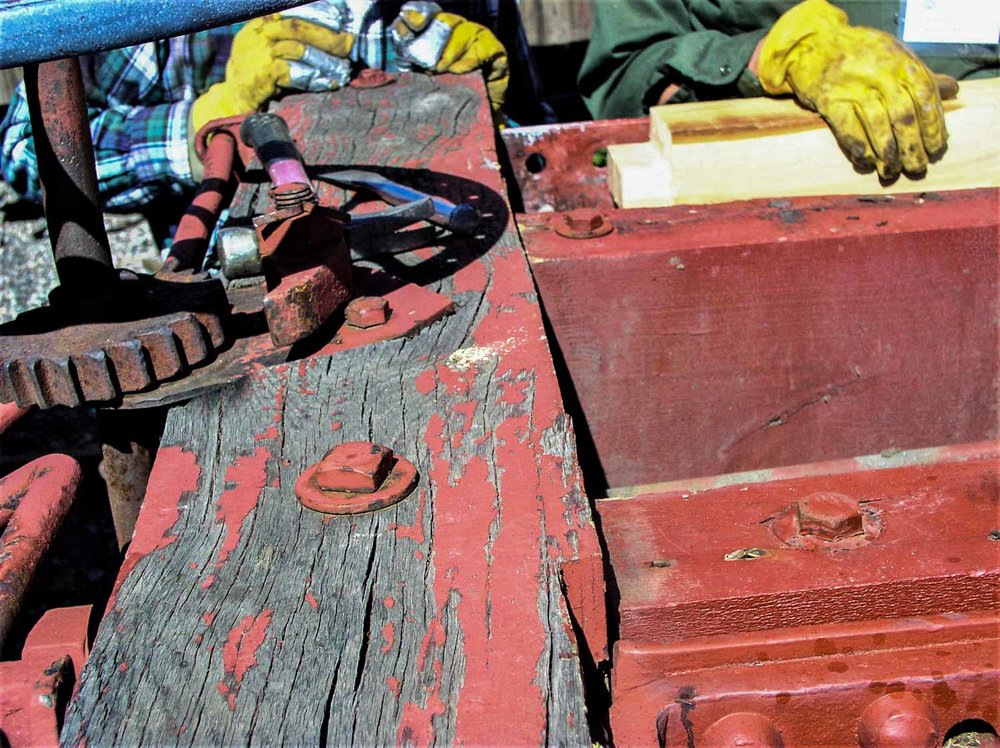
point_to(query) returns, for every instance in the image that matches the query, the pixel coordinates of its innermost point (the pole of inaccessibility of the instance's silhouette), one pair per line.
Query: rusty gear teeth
(102, 361)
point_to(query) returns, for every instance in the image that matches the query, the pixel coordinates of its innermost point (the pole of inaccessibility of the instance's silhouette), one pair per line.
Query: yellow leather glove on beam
(437, 42)
(879, 99)
(275, 52)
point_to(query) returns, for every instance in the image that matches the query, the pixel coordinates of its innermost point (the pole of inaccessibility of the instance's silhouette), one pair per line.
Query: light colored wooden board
(760, 148)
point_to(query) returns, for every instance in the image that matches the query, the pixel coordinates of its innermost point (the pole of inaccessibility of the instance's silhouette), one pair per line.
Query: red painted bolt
(583, 223)
(584, 220)
(354, 467)
(829, 516)
(897, 720)
(367, 311)
(745, 729)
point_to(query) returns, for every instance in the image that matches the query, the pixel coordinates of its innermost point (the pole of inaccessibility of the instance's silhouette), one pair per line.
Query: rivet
(898, 719)
(742, 729)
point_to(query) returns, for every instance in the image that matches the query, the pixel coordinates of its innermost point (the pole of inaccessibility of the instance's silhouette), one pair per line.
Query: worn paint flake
(389, 634)
(426, 382)
(415, 531)
(248, 477)
(239, 653)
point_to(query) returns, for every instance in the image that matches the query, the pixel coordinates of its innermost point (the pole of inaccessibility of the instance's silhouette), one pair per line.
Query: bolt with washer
(355, 467)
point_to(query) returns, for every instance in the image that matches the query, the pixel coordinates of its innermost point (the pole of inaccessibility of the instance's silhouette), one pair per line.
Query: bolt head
(367, 311)
(584, 220)
(830, 516)
(354, 467)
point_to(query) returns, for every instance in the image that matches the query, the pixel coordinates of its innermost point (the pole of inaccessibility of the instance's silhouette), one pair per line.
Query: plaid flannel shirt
(138, 99)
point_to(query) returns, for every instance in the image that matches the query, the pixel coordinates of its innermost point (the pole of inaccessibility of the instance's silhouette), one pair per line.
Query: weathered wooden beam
(242, 617)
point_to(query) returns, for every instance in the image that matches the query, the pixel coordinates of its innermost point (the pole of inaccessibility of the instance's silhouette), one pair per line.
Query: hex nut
(829, 516)
(354, 467)
(367, 311)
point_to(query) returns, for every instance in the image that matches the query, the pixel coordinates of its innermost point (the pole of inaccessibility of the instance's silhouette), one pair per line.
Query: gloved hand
(288, 50)
(879, 99)
(436, 42)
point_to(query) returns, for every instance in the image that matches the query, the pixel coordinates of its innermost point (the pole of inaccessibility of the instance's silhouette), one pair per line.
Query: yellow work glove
(274, 52)
(436, 42)
(879, 99)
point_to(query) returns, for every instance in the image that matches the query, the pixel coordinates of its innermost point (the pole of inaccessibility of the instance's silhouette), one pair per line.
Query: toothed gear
(45, 361)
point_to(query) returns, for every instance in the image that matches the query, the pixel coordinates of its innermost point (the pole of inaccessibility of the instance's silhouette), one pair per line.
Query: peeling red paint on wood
(175, 473)
(416, 723)
(240, 653)
(248, 477)
(389, 635)
(393, 684)
(466, 573)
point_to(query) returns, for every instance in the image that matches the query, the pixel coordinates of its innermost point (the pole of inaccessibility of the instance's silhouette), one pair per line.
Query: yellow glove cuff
(784, 42)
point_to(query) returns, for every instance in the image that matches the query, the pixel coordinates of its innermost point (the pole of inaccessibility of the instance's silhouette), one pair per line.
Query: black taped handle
(268, 135)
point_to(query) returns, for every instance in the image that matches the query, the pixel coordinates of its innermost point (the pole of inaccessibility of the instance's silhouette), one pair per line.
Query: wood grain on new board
(718, 151)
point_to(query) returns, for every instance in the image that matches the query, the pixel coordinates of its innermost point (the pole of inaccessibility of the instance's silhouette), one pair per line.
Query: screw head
(354, 467)
(830, 516)
(367, 311)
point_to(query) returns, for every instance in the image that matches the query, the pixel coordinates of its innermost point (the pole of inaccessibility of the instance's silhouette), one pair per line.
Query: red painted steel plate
(547, 158)
(813, 684)
(934, 554)
(718, 339)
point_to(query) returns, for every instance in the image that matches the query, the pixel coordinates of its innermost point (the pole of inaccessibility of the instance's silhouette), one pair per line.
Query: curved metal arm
(39, 30)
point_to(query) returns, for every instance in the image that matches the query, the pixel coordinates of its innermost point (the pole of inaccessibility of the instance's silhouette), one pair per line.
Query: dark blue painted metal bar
(38, 30)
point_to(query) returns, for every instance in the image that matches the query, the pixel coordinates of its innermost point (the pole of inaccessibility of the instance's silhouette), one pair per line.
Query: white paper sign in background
(952, 21)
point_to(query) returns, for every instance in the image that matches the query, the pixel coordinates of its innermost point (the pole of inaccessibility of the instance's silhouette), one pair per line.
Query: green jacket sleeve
(639, 46)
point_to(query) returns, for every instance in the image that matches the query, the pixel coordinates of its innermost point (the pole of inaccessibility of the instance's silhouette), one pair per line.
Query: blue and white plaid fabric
(139, 99)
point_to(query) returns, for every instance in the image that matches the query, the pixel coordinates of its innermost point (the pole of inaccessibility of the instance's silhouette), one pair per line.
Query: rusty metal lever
(459, 219)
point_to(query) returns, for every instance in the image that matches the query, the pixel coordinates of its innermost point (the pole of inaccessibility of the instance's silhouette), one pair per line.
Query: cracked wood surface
(241, 617)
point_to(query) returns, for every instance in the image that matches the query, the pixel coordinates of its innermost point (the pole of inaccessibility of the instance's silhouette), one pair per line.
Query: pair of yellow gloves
(880, 100)
(306, 51)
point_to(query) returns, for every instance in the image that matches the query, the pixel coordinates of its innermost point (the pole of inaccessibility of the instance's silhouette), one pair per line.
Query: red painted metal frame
(807, 637)
(812, 684)
(566, 156)
(10, 414)
(725, 338)
(34, 501)
(34, 690)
